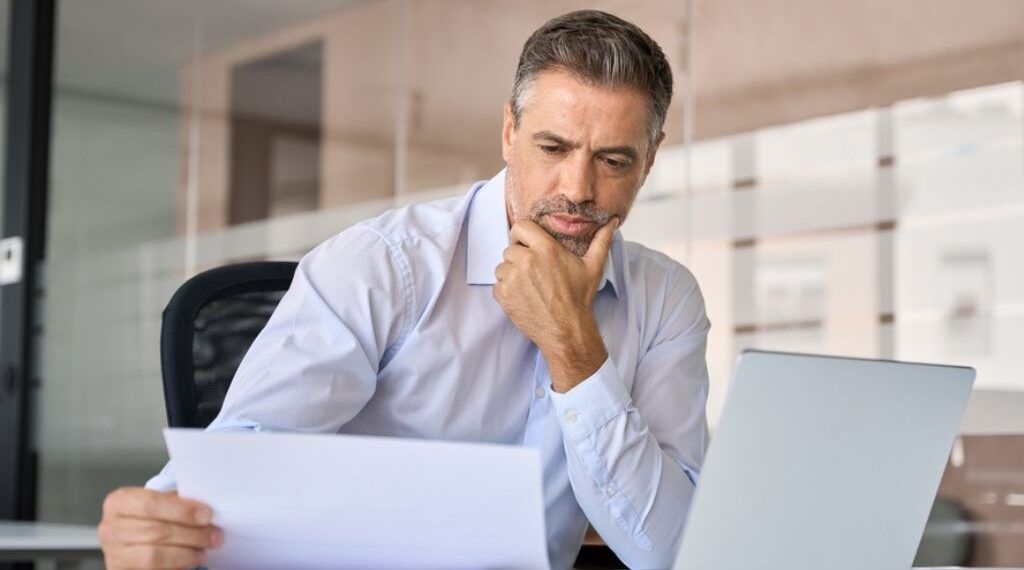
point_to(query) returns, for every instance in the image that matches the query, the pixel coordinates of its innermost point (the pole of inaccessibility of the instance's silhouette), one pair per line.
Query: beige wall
(412, 91)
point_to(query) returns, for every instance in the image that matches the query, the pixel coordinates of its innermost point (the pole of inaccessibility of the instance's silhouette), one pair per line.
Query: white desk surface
(34, 540)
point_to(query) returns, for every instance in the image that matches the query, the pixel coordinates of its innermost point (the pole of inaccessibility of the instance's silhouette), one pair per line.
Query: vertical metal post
(22, 243)
(744, 241)
(886, 226)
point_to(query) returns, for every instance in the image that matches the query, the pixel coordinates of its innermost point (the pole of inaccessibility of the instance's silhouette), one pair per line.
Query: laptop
(821, 462)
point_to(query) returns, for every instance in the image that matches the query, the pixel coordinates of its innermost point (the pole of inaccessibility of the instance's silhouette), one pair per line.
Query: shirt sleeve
(634, 456)
(314, 366)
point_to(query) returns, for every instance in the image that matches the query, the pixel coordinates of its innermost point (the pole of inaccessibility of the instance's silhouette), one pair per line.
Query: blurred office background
(842, 177)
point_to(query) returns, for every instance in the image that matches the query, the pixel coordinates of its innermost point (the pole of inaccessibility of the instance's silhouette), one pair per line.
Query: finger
(501, 271)
(597, 253)
(144, 531)
(137, 502)
(515, 253)
(149, 556)
(530, 234)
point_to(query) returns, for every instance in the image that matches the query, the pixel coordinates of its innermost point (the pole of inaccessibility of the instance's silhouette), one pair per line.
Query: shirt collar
(487, 236)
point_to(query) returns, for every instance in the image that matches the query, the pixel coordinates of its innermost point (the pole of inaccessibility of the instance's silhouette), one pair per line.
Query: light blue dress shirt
(390, 329)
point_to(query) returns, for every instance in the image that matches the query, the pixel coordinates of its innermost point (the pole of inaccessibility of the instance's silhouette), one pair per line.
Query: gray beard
(577, 245)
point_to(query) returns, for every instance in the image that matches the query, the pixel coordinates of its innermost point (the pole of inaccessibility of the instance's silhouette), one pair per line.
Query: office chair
(208, 326)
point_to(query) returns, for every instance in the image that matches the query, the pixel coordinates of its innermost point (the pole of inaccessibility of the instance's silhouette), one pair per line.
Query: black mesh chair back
(207, 328)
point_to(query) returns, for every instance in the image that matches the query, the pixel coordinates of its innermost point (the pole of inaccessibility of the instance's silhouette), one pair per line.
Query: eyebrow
(552, 137)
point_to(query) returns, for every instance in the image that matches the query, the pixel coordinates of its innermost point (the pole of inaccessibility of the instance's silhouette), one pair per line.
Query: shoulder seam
(405, 269)
(406, 236)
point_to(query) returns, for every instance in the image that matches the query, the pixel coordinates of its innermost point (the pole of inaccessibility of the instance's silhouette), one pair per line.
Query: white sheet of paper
(331, 501)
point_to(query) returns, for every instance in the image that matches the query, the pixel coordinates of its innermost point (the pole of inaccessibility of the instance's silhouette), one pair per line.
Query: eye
(615, 164)
(551, 148)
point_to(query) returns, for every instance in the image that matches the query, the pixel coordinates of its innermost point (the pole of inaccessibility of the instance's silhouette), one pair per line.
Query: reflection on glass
(967, 296)
(983, 491)
(4, 10)
(168, 124)
(885, 233)
(275, 134)
(189, 135)
(789, 296)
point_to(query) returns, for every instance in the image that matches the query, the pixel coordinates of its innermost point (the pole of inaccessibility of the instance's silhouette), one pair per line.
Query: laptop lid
(823, 462)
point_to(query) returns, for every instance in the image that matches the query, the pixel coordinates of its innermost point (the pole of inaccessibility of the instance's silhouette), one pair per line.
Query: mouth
(576, 226)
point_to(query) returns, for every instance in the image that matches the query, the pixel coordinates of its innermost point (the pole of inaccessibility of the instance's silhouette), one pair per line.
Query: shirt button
(540, 392)
(609, 490)
(570, 417)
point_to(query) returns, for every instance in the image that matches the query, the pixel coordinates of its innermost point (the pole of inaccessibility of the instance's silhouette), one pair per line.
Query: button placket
(534, 434)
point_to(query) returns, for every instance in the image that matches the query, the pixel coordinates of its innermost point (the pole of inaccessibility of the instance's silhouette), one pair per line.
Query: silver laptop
(821, 462)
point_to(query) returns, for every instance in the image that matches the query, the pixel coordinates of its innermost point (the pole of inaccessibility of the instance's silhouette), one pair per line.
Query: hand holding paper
(324, 501)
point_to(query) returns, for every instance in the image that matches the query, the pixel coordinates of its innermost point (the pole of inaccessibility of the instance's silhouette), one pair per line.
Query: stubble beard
(558, 204)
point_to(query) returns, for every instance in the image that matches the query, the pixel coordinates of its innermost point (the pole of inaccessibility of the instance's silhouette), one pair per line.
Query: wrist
(575, 355)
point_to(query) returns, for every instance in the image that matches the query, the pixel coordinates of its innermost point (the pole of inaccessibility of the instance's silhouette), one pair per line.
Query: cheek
(534, 178)
(619, 198)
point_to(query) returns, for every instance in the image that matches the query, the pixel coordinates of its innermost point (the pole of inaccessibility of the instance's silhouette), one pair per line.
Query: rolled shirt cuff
(592, 403)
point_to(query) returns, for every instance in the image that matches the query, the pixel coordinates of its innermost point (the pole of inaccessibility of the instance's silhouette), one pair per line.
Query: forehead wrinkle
(624, 149)
(587, 111)
(548, 135)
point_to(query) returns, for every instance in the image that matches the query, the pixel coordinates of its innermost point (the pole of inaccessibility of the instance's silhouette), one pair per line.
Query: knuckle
(108, 504)
(119, 557)
(112, 500)
(149, 557)
(105, 533)
(157, 532)
(204, 538)
(148, 506)
(111, 559)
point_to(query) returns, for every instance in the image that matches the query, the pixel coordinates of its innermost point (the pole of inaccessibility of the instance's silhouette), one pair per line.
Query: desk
(33, 541)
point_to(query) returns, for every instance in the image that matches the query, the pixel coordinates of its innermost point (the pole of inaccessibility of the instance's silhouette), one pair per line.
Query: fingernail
(217, 537)
(203, 515)
(615, 223)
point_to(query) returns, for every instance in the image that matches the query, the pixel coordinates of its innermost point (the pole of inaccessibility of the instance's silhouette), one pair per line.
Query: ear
(508, 132)
(653, 153)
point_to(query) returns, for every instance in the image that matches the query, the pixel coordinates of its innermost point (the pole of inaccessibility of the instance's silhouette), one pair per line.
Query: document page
(333, 501)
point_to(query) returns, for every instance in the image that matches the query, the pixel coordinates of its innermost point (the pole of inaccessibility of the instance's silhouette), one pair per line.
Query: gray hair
(600, 49)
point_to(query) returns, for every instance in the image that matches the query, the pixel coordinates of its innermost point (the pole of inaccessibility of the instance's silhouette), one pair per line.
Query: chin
(577, 246)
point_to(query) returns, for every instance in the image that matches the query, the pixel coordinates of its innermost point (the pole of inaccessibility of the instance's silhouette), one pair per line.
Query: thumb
(598, 252)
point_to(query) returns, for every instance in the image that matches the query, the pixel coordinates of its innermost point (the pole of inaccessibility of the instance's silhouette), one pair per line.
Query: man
(513, 315)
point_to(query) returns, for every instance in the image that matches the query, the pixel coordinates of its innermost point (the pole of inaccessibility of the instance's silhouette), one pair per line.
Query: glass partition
(831, 195)
(5, 8)
(179, 130)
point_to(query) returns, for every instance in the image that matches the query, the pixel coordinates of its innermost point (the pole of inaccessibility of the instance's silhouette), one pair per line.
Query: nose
(578, 180)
